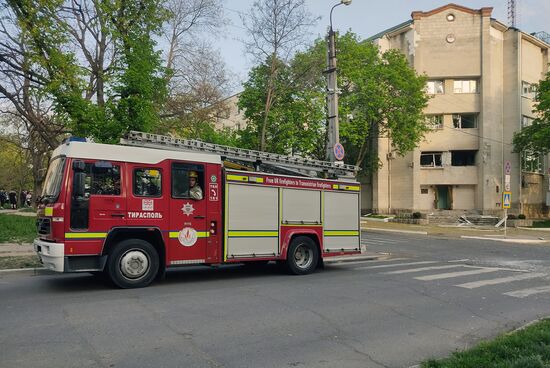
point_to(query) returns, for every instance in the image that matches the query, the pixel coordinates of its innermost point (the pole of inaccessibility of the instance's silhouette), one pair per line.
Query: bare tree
(276, 29)
(187, 21)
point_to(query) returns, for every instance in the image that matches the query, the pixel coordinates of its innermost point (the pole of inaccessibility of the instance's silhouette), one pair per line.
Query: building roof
(486, 11)
(390, 30)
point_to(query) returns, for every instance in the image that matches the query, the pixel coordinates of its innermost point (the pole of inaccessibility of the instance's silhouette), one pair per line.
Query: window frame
(435, 92)
(537, 160)
(433, 126)
(528, 89)
(475, 115)
(461, 89)
(134, 182)
(434, 154)
(90, 174)
(199, 168)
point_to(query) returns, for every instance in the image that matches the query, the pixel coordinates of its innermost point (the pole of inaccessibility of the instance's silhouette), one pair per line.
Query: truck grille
(43, 226)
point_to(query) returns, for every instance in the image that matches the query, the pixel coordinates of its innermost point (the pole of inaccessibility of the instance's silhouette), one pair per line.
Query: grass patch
(8, 263)
(541, 224)
(17, 229)
(528, 348)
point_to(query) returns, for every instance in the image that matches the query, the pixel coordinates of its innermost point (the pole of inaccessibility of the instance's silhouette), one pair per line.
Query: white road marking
(501, 280)
(459, 260)
(527, 292)
(395, 264)
(455, 274)
(411, 270)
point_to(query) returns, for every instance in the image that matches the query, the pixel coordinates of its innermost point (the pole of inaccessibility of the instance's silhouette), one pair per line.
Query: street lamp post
(332, 90)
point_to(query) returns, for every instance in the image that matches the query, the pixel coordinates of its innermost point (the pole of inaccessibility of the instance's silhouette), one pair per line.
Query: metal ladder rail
(141, 139)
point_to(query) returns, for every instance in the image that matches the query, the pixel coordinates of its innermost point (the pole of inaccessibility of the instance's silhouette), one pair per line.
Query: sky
(365, 18)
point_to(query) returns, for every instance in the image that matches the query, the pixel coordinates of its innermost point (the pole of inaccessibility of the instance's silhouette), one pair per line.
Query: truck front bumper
(52, 255)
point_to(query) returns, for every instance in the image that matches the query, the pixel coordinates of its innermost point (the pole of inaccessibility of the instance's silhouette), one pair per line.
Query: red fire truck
(127, 210)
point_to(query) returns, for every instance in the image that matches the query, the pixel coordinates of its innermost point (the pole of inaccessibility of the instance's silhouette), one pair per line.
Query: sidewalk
(14, 249)
(521, 235)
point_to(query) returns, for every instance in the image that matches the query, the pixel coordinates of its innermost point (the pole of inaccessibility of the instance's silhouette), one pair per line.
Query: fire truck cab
(128, 212)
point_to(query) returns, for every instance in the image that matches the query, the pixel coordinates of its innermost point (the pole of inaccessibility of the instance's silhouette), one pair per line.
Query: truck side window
(102, 178)
(180, 179)
(147, 182)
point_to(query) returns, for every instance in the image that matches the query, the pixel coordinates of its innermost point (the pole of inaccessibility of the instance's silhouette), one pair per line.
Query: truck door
(103, 205)
(188, 228)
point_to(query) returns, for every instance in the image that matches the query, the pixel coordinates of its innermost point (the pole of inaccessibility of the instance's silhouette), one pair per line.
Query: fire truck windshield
(54, 176)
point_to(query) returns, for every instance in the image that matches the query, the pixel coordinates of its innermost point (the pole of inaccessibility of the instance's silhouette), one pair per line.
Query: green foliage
(15, 228)
(137, 83)
(541, 224)
(528, 348)
(380, 93)
(536, 138)
(15, 170)
(385, 97)
(296, 116)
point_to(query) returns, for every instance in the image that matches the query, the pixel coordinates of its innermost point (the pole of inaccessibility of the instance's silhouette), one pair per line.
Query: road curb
(507, 240)
(395, 230)
(346, 259)
(16, 270)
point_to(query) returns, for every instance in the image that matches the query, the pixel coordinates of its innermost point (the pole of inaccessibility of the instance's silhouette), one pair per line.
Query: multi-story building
(481, 77)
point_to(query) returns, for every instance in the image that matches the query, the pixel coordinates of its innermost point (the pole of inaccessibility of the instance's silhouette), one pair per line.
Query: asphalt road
(428, 297)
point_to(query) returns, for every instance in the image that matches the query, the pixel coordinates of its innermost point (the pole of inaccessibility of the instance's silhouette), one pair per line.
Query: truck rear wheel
(302, 256)
(134, 263)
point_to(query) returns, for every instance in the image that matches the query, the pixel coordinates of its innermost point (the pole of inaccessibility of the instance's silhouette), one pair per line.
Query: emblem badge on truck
(188, 209)
(187, 236)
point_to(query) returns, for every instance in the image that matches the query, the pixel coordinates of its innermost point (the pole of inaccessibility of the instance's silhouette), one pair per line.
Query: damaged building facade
(481, 78)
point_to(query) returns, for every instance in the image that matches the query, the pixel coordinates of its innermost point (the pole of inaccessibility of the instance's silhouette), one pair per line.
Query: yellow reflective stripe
(253, 234)
(200, 234)
(350, 187)
(48, 211)
(341, 233)
(85, 235)
(237, 177)
(254, 179)
(334, 186)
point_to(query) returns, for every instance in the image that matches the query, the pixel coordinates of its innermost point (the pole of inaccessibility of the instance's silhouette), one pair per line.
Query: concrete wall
(499, 58)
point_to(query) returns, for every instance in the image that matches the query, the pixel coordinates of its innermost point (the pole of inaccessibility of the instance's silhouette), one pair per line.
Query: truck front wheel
(302, 256)
(133, 263)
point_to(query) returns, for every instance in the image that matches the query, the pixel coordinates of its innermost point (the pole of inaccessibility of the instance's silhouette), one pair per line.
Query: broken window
(464, 121)
(526, 121)
(435, 87)
(465, 86)
(531, 162)
(528, 89)
(430, 159)
(434, 121)
(463, 158)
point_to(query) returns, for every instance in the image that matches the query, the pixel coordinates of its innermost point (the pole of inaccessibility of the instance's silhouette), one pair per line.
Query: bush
(416, 215)
(521, 216)
(512, 217)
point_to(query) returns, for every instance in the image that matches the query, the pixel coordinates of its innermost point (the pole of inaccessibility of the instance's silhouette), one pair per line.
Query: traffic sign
(507, 186)
(506, 199)
(338, 151)
(508, 168)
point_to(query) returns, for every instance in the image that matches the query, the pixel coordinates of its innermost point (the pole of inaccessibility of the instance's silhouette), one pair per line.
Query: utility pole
(332, 92)
(512, 14)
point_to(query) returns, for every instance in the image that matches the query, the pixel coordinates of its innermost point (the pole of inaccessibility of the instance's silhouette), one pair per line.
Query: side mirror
(79, 166)
(78, 184)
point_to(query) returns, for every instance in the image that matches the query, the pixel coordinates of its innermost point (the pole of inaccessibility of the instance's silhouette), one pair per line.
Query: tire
(302, 256)
(133, 263)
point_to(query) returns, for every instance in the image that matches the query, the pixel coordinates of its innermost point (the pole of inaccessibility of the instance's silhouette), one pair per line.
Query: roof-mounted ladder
(259, 159)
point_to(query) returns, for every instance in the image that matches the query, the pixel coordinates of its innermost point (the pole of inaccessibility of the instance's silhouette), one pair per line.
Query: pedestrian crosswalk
(460, 272)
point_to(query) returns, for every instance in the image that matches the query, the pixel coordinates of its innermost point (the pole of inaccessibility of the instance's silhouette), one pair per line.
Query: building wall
(472, 46)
